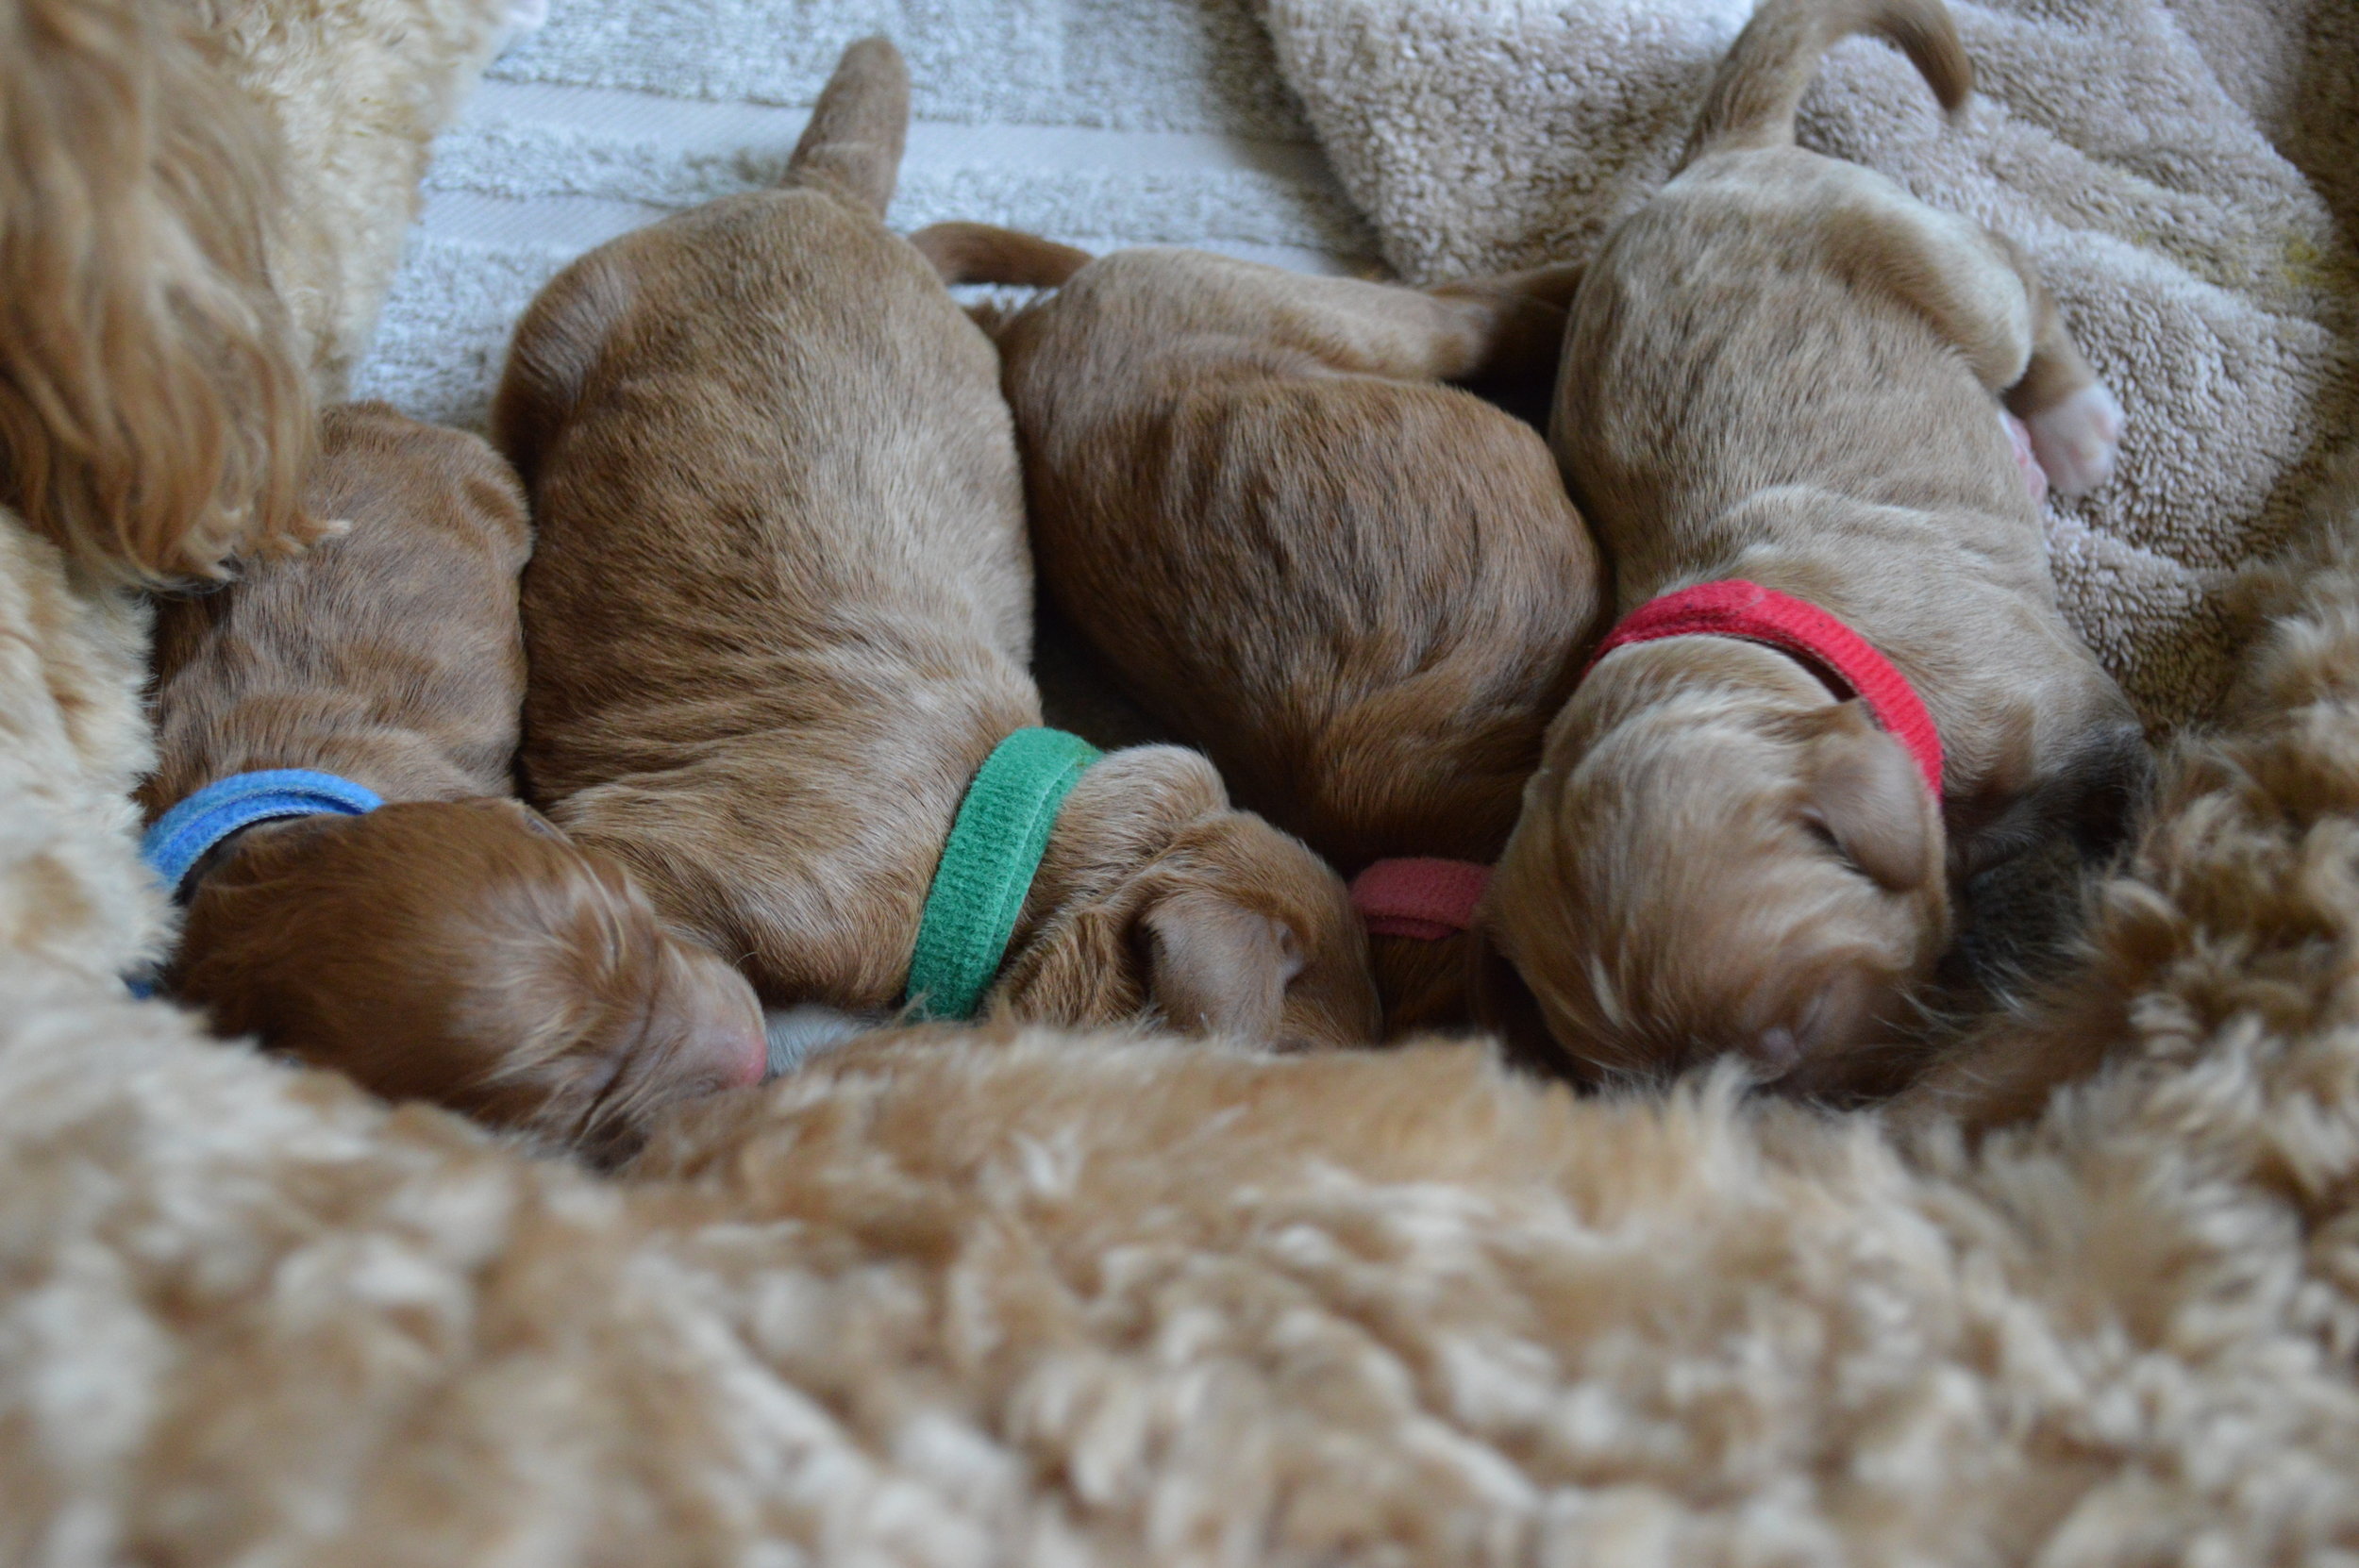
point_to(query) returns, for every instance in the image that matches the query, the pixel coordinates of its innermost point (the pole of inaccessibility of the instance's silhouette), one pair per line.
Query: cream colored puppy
(780, 612)
(1781, 372)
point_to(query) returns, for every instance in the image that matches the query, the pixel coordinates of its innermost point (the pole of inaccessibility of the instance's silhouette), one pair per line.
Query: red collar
(1842, 658)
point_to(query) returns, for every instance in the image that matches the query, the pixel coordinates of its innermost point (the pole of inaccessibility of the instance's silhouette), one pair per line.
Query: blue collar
(184, 835)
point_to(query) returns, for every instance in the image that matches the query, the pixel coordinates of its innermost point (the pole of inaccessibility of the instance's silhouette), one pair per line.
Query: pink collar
(1427, 899)
(1847, 661)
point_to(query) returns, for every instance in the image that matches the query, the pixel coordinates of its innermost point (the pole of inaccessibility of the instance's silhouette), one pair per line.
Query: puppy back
(1753, 97)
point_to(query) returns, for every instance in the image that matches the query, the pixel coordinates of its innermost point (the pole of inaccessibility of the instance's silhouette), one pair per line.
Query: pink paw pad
(2076, 439)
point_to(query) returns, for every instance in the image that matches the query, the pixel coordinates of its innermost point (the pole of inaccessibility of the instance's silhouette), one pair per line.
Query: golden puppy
(781, 608)
(1361, 592)
(1779, 382)
(449, 946)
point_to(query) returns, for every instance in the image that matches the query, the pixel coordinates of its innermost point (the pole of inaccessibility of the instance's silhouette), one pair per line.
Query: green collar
(988, 865)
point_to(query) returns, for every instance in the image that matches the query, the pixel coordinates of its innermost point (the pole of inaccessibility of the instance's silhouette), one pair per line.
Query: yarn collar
(987, 867)
(1848, 662)
(1430, 900)
(187, 833)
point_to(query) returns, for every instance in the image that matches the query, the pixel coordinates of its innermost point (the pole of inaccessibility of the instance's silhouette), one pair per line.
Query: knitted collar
(1848, 662)
(187, 833)
(987, 867)
(1426, 899)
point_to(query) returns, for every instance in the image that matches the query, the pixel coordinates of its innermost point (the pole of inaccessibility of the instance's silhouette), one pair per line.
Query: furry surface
(359, 89)
(2171, 169)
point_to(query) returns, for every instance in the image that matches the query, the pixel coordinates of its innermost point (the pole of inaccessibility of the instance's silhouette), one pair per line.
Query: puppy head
(1729, 862)
(1156, 896)
(467, 953)
(153, 417)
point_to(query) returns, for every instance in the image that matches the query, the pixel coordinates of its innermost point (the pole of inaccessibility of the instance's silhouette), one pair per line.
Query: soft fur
(781, 614)
(450, 946)
(1781, 369)
(358, 90)
(1361, 592)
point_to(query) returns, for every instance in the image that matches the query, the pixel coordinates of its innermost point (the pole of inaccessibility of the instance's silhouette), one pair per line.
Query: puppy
(1781, 372)
(448, 946)
(780, 613)
(1361, 592)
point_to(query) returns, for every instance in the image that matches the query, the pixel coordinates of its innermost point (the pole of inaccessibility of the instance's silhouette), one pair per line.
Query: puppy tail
(977, 253)
(1753, 99)
(857, 129)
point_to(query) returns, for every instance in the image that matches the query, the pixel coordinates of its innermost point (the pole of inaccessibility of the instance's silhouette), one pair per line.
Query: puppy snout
(724, 1042)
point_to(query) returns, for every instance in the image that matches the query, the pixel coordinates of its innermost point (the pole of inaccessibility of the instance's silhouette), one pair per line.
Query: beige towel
(2145, 156)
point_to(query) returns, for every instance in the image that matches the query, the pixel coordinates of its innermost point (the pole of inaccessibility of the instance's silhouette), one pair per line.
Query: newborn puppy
(1361, 592)
(1779, 377)
(449, 946)
(780, 613)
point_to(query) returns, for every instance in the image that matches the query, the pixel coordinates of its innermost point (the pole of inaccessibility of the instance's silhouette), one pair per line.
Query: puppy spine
(859, 126)
(1761, 81)
(978, 253)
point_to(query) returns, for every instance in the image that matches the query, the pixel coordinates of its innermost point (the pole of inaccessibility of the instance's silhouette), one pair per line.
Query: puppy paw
(2020, 437)
(2076, 441)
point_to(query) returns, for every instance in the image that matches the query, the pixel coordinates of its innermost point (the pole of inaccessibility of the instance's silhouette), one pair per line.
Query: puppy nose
(747, 1050)
(1774, 1053)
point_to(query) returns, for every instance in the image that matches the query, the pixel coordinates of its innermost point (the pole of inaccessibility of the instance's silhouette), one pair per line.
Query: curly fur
(359, 90)
(152, 419)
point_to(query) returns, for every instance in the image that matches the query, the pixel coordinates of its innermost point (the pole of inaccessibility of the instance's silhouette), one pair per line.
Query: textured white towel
(2153, 162)
(1102, 122)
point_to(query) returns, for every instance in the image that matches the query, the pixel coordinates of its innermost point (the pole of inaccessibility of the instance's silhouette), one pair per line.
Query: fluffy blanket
(2172, 169)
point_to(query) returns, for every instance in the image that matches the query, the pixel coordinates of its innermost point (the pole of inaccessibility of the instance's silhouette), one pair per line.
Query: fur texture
(1782, 370)
(358, 90)
(780, 613)
(452, 945)
(1363, 593)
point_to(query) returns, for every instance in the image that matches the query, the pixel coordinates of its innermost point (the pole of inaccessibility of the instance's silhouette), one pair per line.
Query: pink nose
(748, 1055)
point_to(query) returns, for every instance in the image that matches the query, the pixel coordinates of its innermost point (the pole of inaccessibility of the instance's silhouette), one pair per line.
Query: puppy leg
(1525, 332)
(1457, 333)
(2074, 419)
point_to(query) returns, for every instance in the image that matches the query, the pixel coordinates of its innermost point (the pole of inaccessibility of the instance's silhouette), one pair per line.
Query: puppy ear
(1216, 967)
(1862, 790)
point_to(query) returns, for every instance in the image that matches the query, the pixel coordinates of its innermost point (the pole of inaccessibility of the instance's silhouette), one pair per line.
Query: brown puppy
(1782, 370)
(450, 947)
(1361, 592)
(781, 610)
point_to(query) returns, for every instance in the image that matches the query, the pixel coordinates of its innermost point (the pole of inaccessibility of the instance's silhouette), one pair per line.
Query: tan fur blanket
(2172, 170)
(974, 1298)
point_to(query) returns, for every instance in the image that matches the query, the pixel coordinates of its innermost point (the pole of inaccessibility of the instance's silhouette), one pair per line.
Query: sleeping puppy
(1361, 592)
(781, 611)
(1777, 383)
(450, 946)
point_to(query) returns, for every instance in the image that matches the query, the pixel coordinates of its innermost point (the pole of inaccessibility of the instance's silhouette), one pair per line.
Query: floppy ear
(1864, 790)
(1215, 967)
